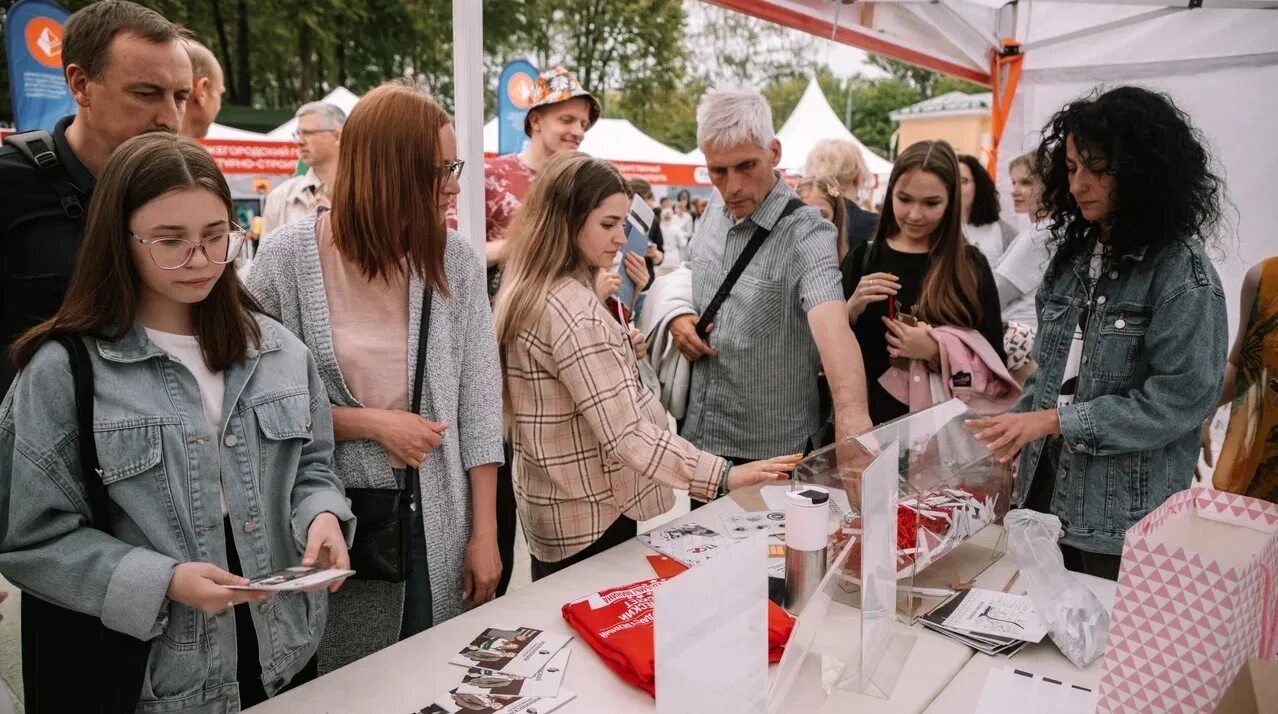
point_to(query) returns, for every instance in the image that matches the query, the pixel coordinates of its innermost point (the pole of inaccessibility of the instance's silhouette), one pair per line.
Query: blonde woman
(841, 160)
(593, 450)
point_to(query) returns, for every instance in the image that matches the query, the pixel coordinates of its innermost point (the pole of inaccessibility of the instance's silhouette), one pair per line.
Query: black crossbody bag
(381, 550)
(747, 254)
(71, 662)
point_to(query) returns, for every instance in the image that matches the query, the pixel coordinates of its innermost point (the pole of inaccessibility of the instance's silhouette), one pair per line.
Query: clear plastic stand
(848, 638)
(917, 494)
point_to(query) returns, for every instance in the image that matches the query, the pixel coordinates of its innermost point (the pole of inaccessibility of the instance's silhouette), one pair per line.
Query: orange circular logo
(44, 41)
(520, 89)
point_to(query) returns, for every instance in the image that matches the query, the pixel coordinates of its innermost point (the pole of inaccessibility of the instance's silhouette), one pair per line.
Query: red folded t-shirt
(617, 623)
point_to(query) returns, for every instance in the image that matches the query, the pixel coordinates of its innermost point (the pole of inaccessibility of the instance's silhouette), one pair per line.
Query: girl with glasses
(213, 435)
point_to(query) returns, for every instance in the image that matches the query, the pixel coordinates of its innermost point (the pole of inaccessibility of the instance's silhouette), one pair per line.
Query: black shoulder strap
(90, 470)
(37, 147)
(423, 333)
(756, 240)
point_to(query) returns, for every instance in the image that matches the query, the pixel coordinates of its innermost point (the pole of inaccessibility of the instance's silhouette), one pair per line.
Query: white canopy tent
(611, 139)
(229, 133)
(813, 120)
(1217, 58)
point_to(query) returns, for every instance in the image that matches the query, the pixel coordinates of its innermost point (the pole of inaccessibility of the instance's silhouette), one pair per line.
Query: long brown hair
(950, 294)
(830, 191)
(543, 237)
(102, 299)
(384, 213)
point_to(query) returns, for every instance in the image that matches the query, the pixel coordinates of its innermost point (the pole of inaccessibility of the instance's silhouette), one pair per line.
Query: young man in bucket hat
(560, 114)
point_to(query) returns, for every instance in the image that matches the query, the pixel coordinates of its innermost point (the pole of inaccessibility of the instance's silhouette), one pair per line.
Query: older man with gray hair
(769, 301)
(319, 136)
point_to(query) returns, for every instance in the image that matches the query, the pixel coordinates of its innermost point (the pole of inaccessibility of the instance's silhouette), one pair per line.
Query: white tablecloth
(411, 674)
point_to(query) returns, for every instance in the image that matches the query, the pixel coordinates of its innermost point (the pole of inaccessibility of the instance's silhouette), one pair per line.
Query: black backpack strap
(90, 469)
(756, 241)
(38, 149)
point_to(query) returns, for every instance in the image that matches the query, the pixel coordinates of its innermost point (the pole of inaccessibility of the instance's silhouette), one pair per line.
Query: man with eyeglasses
(319, 137)
(127, 68)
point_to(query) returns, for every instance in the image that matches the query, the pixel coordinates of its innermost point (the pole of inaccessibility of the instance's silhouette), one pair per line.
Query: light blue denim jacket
(160, 465)
(1153, 358)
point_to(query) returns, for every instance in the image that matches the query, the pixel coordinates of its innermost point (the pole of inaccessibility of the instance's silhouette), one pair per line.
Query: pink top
(369, 321)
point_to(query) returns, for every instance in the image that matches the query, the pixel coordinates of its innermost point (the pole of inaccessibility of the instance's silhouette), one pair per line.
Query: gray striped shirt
(758, 398)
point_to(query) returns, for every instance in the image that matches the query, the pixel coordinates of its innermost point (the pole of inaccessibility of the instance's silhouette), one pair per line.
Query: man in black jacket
(128, 70)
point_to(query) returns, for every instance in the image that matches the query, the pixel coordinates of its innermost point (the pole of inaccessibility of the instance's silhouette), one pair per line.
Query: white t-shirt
(186, 350)
(1074, 361)
(1023, 265)
(988, 239)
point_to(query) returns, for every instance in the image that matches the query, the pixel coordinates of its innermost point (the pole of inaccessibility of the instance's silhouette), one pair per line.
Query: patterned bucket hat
(559, 85)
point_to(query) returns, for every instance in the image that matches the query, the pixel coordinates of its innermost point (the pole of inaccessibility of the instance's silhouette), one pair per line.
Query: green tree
(872, 102)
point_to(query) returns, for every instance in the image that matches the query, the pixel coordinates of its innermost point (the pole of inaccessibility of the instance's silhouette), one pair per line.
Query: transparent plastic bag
(1074, 616)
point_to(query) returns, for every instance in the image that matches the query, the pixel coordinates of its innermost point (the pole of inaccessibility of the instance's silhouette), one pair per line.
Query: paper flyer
(690, 544)
(744, 525)
(520, 651)
(457, 701)
(545, 683)
(300, 577)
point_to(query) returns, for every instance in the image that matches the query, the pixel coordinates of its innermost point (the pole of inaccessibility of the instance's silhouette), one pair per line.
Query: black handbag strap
(747, 254)
(90, 469)
(419, 370)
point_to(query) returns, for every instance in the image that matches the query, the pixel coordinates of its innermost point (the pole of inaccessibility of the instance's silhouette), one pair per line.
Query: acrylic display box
(914, 497)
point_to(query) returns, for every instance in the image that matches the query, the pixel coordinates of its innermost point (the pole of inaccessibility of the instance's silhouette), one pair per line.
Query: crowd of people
(376, 395)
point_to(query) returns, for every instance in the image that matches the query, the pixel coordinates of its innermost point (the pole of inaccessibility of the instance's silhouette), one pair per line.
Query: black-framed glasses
(172, 252)
(452, 169)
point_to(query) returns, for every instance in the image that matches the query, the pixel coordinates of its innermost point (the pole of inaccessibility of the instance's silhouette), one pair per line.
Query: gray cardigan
(462, 388)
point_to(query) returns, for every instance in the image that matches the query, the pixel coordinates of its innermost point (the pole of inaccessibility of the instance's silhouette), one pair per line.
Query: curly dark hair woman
(1132, 331)
(1164, 185)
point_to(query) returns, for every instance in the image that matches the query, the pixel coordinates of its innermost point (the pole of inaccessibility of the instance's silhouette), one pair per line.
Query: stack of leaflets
(509, 670)
(988, 621)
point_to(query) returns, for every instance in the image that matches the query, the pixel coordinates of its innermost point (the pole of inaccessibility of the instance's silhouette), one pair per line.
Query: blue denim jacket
(160, 465)
(1153, 359)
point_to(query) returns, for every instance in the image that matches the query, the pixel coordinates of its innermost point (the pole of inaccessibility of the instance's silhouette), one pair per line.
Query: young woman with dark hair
(594, 450)
(213, 436)
(918, 267)
(982, 225)
(1132, 331)
(354, 283)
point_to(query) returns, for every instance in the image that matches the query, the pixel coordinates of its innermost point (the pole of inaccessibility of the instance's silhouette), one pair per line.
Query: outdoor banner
(260, 158)
(514, 94)
(33, 44)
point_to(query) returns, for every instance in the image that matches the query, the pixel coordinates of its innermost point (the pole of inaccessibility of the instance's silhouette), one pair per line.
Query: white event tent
(611, 139)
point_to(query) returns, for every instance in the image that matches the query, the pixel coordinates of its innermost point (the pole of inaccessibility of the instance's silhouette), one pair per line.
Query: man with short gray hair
(319, 136)
(769, 300)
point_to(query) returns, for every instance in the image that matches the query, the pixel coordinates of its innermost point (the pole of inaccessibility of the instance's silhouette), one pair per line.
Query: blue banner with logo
(33, 43)
(514, 94)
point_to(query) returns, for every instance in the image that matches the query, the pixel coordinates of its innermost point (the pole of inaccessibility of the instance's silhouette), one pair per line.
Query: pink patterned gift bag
(1196, 597)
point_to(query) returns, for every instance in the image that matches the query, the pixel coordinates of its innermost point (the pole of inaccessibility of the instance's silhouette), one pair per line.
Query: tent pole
(1010, 58)
(468, 96)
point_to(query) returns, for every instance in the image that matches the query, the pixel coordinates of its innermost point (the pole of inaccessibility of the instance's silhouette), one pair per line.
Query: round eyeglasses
(171, 252)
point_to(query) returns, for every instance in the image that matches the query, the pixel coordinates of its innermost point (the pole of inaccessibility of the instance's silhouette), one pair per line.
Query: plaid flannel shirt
(591, 441)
